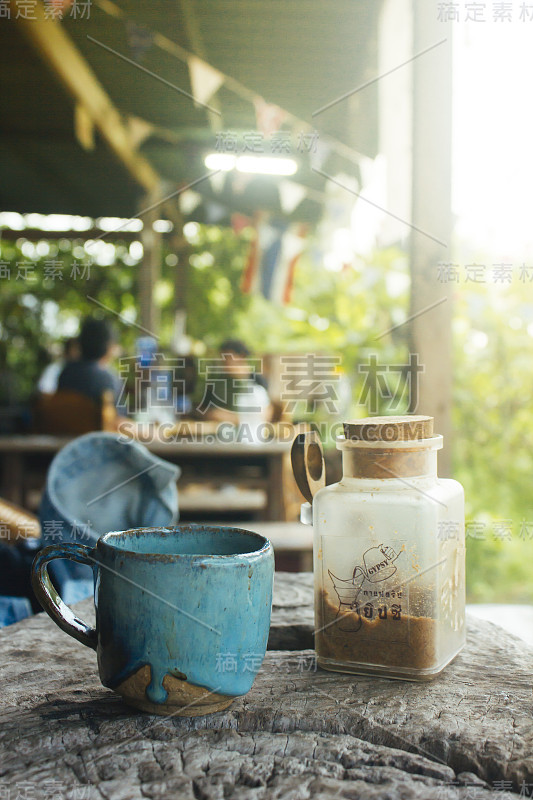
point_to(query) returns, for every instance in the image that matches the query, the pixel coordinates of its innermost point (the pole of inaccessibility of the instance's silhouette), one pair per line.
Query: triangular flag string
(205, 80)
(269, 117)
(291, 195)
(212, 80)
(272, 259)
(140, 130)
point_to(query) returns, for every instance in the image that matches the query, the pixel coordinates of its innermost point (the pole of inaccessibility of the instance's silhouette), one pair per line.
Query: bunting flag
(140, 39)
(140, 130)
(340, 203)
(83, 127)
(251, 268)
(270, 245)
(319, 155)
(238, 182)
(272, 259)
(335, 227)
(239, 222)
(205, 80)
(293, 246)
(290, 195)
(269, 118)
(217, 180)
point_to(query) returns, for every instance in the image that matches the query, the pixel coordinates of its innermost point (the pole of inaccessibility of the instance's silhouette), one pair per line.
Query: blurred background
(351, 181)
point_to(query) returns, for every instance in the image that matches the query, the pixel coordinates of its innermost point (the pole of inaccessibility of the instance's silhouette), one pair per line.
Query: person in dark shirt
(48, 381)
(90, 375)
(238, 390)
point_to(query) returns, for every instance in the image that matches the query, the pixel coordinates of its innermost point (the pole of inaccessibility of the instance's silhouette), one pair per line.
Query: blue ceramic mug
(182, 613)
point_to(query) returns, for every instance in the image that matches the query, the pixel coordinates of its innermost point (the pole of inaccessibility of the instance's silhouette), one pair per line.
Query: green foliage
(331, 313)
(337, 314)
(214, 299)
(43, 292)
(498, 571)
(493, 444)
(340, 314)
(41, 303)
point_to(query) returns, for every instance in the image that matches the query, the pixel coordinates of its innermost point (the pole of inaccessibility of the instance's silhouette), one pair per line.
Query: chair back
(68, 413)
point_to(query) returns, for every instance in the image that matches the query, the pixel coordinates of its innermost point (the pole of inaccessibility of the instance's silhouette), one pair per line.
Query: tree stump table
(299, 733)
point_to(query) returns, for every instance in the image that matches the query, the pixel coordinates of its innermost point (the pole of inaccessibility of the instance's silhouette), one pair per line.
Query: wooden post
(431, 305)
(180, 247)
(149, 268)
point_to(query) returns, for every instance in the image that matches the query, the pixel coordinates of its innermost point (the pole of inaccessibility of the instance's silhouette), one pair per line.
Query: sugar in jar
(389, 554)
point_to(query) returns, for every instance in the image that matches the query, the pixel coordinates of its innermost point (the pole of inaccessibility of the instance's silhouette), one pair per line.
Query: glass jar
(389, 554)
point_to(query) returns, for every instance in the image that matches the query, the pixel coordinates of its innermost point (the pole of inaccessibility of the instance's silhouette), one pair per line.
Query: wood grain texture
(299, 733)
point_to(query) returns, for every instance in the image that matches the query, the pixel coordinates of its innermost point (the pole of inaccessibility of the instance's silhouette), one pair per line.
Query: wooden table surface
(299, 733)
(18, 452)
(39, 443)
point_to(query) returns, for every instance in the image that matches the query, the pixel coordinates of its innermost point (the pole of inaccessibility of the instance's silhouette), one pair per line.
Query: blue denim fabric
(100, 483)
(13, 609)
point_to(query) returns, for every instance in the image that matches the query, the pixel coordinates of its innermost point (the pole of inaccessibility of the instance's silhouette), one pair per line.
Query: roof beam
(63, 57)
(54, 45)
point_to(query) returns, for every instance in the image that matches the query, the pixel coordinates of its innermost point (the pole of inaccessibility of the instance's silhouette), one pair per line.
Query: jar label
(372, 593)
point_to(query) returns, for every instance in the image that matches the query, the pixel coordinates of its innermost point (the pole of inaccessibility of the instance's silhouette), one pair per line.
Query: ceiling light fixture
(259, 165)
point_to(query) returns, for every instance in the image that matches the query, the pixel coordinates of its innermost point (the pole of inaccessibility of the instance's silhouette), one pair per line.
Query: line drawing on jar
(378, 565)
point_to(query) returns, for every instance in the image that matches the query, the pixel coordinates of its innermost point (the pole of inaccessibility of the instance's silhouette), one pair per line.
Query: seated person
(90, 375)
(238, 393)
(47, 383)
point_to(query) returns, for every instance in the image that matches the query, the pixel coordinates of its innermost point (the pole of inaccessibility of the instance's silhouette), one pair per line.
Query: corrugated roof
(299, 54)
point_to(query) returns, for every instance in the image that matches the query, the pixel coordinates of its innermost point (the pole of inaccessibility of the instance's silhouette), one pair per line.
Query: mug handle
(50, 600)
